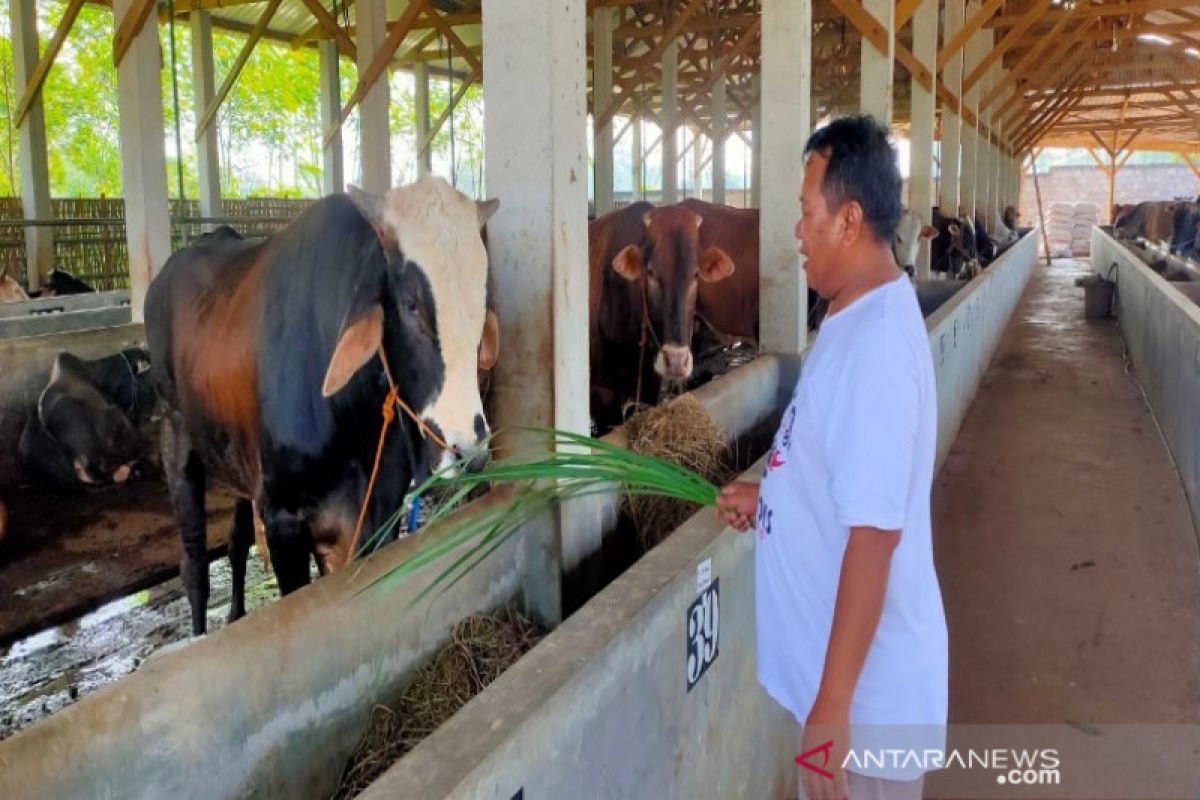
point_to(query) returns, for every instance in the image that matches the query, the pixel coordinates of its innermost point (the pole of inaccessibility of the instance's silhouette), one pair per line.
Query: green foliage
(269, 125)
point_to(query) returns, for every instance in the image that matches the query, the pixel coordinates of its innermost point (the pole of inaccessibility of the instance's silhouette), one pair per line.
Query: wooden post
(1041, 213)
(720, 137)
(31, 153)
(374, 129)
(785, 103)
(670, 117)
(948, 187)
(875, 73)
(536, 161)
(920, 181)
(208, 150)
(333, 169)
(602, 91)
(143, 156)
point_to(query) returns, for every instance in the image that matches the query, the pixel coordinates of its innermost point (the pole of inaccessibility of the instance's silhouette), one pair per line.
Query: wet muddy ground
(65, 554)
(53, 668)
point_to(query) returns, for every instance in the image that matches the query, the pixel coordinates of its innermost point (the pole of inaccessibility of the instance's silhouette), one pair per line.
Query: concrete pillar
(143, 158)
(875, 75)
(697, 170)
(786, 98)
(208, 166)
(31, 154)
(756, 150)
(638, 160)
(720, 128)
(333, 170)
(972, 54)
(374, 141)
(952, 76)
(421, 114)
(670, 121)
(535, 160)
(920, 180)
(602, 81)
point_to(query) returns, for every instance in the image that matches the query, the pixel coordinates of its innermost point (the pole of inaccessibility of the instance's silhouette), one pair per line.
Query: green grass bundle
(579, 466)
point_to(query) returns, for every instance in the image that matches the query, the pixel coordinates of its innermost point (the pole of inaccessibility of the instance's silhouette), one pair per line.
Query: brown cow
(646, 265)
(10, 290)
(1152, 221)
(730, 308)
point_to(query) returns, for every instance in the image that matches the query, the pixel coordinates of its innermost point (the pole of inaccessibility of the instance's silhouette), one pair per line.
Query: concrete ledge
(601, 707)
(965, 332)
(71, 302)
(1161, 326)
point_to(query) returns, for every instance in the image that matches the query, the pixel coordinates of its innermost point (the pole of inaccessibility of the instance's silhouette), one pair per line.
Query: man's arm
(861, 590)
(862, 587)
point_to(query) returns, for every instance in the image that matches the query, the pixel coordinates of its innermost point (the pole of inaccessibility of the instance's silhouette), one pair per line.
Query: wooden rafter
(130, 27)
(456, 42)
(906, 10)
(1031, 58)
(1135, 8)
(970, 27)
(327, 23)
(379, 63)
(236, 69)
(436, 125)
(34, 87)
(874, 32)
(1035, 13)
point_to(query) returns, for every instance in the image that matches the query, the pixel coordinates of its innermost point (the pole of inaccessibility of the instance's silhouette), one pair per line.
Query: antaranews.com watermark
(1009, 762)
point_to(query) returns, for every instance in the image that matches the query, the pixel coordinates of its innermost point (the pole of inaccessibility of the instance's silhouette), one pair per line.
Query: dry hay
(480, 648)
(683, 432)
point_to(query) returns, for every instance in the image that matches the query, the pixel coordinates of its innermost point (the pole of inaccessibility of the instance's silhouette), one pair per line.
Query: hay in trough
(682, 432)
(481, 647)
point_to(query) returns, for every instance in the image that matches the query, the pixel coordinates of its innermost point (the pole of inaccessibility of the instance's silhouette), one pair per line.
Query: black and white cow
(87, 427)
(267, 360)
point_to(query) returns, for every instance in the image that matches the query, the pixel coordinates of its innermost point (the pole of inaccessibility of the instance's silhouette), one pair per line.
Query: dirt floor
(68, 553)
(1067, 556)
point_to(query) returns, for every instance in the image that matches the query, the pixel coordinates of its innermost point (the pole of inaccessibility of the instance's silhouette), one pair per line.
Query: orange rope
(389, 414)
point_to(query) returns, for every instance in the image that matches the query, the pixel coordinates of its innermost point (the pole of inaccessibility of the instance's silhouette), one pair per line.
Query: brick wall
(1089, 185)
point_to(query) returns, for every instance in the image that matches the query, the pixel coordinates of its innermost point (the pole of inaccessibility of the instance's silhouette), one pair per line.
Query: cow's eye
(410, 305)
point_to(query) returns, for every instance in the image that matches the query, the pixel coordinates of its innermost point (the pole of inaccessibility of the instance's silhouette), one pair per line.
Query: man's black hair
(862, 167)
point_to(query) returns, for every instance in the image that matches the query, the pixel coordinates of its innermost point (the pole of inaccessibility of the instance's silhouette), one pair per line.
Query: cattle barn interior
(1068, 477)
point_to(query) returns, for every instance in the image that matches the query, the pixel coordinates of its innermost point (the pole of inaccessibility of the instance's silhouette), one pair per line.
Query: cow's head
(91, 433)
(10, 290)
(429, 314)
(909, 233)
(668, 263)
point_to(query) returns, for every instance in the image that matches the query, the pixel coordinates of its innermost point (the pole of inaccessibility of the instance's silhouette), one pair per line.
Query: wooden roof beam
(1027, 63)
(1035, 14)
(1135, 8)
(130, 27)
(34, 87)
(970, 27)
(328, 24)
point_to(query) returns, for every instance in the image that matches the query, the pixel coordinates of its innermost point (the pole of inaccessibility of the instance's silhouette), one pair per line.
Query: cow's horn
(486, 208)
(370, 205)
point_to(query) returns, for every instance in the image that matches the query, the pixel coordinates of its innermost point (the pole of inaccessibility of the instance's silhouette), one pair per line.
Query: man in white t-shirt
(851, 632)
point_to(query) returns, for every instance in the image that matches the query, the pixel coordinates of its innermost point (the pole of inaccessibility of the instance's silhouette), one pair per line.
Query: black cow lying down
(267, 360)
(86, 428)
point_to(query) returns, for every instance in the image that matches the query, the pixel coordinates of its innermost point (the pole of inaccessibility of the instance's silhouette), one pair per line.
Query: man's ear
(852, 218)
(628, 263)
(357, 344)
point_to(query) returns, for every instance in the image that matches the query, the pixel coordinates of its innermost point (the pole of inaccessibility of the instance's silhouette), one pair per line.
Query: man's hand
(737, 505)
(824, 743)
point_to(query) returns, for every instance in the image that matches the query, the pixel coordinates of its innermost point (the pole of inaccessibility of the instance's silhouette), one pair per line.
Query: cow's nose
(678, 361)
(122, 473)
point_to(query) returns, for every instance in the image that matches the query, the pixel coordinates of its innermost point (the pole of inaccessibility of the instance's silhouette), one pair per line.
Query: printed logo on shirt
(764, 518)
(776, 461)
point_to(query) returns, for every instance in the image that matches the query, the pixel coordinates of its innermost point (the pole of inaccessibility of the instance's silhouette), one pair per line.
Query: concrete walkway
(1067, 557)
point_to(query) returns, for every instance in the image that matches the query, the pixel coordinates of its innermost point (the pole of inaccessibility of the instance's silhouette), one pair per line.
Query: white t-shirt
(856, 447)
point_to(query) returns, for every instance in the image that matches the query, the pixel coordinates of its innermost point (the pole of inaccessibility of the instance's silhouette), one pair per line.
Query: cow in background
(60, 283)
(88, 426)
(907, 244)
(1153, 221)
(646, 266)
(1185, 230)
(272, 362)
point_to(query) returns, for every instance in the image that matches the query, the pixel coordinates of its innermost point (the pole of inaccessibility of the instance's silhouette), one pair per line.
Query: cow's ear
(929, 232)
(486, 208)
(628, 263)
(489, 343)
(371, 207)
(357, 344)
(715, 265)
